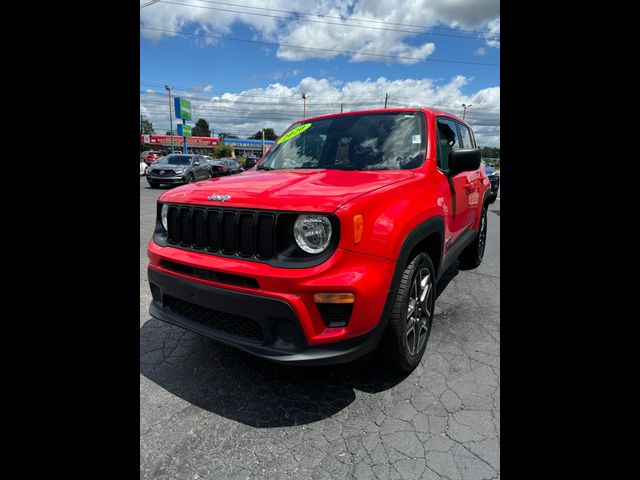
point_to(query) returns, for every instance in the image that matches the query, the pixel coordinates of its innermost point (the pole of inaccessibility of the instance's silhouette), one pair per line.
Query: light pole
(168, 89)
(304, 111)
(464, 112)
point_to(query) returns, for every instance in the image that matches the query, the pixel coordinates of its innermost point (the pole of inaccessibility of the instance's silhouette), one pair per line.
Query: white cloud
(481, 51)
(278, 105)
(328, 34)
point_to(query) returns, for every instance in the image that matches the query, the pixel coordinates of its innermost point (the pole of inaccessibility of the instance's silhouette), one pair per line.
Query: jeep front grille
(219, 230)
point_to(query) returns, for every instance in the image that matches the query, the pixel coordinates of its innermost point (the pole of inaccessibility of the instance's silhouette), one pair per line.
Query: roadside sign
(147, 138)
(183, 108)
(184, 130)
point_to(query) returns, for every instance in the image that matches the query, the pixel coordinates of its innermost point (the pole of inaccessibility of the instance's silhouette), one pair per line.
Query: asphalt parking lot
(208, 411)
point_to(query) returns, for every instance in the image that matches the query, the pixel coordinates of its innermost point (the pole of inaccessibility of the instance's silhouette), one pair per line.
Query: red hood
(301, 190)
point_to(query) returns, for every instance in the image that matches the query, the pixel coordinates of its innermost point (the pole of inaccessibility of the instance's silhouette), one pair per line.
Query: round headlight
(163, 216)
(312, 233)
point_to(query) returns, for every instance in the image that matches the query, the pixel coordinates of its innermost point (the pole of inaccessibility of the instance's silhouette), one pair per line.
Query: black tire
(471, 257)
(154, 184)
(404, 349)
(190, 178)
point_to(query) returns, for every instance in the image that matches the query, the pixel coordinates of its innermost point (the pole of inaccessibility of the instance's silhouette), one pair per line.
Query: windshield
(175, 160)
(374, 141)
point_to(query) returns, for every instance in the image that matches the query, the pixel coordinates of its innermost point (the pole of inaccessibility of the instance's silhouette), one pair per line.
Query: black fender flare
(420, 232)
(489, 197)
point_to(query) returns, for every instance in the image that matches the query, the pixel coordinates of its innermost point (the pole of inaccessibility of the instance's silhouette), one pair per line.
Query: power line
(228, 103)
(351, 52)
(327, 23)
(350, 19)
(149, 3)
(293, 96)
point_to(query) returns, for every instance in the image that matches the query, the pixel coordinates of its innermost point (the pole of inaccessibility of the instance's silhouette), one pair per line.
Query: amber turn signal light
(334, 298)
(357, 229)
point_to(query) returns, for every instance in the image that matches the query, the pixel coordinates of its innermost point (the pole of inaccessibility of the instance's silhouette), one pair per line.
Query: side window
(466, 137)
(447, 141)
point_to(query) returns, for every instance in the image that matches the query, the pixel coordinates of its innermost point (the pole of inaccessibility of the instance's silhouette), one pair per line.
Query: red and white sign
(165, 140)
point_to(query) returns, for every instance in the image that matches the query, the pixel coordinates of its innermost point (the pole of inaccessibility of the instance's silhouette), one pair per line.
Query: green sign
(183, 108)
(184, 130)
(296, 131)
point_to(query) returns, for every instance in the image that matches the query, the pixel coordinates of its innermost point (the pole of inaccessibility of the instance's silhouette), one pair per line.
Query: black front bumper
(282, 337)
(161, 179)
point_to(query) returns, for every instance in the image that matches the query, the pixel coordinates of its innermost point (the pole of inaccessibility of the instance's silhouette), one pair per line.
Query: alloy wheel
(419, 311)
(482, 239)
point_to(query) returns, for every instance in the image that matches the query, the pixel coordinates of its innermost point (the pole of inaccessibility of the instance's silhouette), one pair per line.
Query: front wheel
(471, 257)
(411, 315)
(190, 178)
(154, 184)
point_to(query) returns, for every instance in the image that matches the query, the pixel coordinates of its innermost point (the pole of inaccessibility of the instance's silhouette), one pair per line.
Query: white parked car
(143, 168)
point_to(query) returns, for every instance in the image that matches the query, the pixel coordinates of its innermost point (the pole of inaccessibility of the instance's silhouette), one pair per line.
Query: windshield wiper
(264, 167)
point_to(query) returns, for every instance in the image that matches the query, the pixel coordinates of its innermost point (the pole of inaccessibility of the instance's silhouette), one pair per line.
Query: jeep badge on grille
(219, 198)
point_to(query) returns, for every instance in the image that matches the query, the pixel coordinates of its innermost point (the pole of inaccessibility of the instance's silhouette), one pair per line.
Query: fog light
(286, 331)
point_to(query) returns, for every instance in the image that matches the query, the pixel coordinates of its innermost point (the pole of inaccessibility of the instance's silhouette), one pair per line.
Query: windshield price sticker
(295, 132)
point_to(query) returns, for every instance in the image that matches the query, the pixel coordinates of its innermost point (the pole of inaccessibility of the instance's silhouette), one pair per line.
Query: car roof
(436, 112)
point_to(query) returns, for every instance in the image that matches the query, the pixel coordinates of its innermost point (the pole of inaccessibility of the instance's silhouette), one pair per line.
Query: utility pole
(262, 140)
(304, 111)
(464, 112)
(341, 105)
(386, 97)
(140, 124)
(168, 88)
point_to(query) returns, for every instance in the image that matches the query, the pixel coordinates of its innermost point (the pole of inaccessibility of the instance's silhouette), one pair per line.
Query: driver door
(460, 185)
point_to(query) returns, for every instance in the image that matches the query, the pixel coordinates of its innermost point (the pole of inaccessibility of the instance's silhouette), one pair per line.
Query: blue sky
(241, 87)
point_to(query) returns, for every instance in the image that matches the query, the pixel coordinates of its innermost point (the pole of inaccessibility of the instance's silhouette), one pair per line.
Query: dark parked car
(225, 166)
(250, 162)
(177, 169)
(494, 178)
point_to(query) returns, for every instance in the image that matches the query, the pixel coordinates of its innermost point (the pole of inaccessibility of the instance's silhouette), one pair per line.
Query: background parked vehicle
(150, 156)
(143, 168)
(177, 169)
(494, 178)
(225, 166)
(250, 162)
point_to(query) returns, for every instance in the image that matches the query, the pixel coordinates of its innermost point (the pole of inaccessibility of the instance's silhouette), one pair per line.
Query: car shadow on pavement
(256, 392)
(250, 390)
(446, 277)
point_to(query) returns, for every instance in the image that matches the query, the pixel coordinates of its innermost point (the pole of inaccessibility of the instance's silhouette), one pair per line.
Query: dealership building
(247, 148)
(241, 147)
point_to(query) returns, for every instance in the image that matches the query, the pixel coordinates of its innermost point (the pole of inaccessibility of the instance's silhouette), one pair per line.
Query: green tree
(226, 135)
(222, 151)
(490, 152)
(269, 134)
(146, 127)
(201, 129)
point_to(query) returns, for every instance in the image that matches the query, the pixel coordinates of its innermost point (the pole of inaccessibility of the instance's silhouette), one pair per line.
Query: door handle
(469, 187)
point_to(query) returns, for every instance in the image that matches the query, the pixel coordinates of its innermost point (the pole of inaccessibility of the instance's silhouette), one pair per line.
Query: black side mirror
(464, 160)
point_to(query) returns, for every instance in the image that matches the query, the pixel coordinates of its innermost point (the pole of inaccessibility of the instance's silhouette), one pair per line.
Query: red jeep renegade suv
(331, 245)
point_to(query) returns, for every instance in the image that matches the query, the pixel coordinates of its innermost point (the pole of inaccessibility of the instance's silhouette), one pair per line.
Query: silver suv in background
(177, 169)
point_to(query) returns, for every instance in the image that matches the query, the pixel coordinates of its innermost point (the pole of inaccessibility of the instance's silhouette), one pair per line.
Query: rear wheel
(411, 315)
(471, 257)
